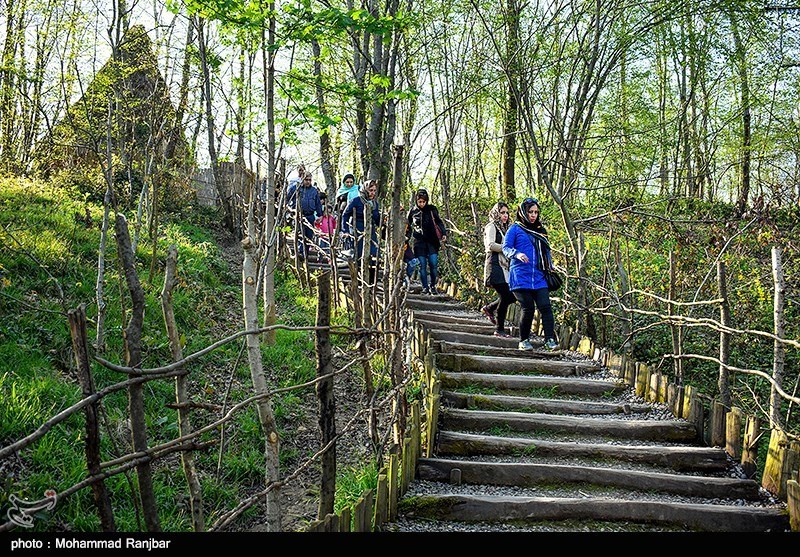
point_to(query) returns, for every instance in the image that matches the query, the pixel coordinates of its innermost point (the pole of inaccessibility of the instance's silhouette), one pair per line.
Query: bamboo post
(733, 433)
(80, 347)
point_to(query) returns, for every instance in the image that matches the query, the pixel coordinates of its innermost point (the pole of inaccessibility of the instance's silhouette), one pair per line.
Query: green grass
(46, 250)
(353, 482)
(544, 392)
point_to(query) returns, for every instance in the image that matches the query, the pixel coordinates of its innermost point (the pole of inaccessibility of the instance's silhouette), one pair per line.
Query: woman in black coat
(422, 223)
(495, 268)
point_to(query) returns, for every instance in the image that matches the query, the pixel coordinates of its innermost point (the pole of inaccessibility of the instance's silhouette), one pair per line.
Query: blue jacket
(309, 200)
(526, 275)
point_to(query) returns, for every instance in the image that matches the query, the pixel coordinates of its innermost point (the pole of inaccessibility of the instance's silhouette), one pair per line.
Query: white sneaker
(525, 345)
(551, 344)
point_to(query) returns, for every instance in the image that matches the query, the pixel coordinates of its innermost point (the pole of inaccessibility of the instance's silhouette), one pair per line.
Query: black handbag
(554, 280)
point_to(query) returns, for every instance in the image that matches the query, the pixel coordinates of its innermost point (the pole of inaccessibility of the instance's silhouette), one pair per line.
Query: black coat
(421, 225)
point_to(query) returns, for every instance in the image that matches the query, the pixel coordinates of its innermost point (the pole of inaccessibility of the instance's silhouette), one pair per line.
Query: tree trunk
(100, 334)
(133, 359)
(674, 328)
(222, 193)
(269, 235)
(724, 338)
(14, 35)
(324, 136)
(741, 66)
(779, 351)
(510, 116)
(264, 406)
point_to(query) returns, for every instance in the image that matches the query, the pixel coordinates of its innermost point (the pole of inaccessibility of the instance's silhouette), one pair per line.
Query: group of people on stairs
(517, 255)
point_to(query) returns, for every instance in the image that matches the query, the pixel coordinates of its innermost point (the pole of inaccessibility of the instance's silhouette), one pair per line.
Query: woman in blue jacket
(528, 251)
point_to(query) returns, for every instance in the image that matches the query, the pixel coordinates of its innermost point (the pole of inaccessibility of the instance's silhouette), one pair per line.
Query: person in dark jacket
(422, 223)
(527, 248)
(495, 268)
(364, 205)
(305, 197)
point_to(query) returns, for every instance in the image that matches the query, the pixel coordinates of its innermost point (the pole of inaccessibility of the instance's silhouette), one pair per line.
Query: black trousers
(500, 306)
(530, 300)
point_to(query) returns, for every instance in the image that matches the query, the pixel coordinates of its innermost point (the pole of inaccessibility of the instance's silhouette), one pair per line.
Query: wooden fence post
(181, 390)
(717, 424)
(776, 467)
(793, 503)
(326, 400)
(752, 436)
(80, 347)
(733, 433)
(393, 486)
(642, 379)
(382, 500)
(132, 337)
(345, 520)
(652, 388)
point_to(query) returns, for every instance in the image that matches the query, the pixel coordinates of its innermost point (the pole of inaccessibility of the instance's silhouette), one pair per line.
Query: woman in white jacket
(495, 268)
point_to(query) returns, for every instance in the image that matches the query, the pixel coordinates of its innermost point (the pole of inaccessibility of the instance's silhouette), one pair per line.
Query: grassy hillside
(48, 259)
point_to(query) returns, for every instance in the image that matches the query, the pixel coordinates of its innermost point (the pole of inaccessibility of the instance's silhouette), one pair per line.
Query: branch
(766, 376)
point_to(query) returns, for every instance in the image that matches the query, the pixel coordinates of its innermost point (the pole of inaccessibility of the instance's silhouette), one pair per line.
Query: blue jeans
(307, 234)
(431, 259)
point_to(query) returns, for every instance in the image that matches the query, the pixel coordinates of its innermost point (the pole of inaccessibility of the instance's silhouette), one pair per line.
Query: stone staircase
(551, 441)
